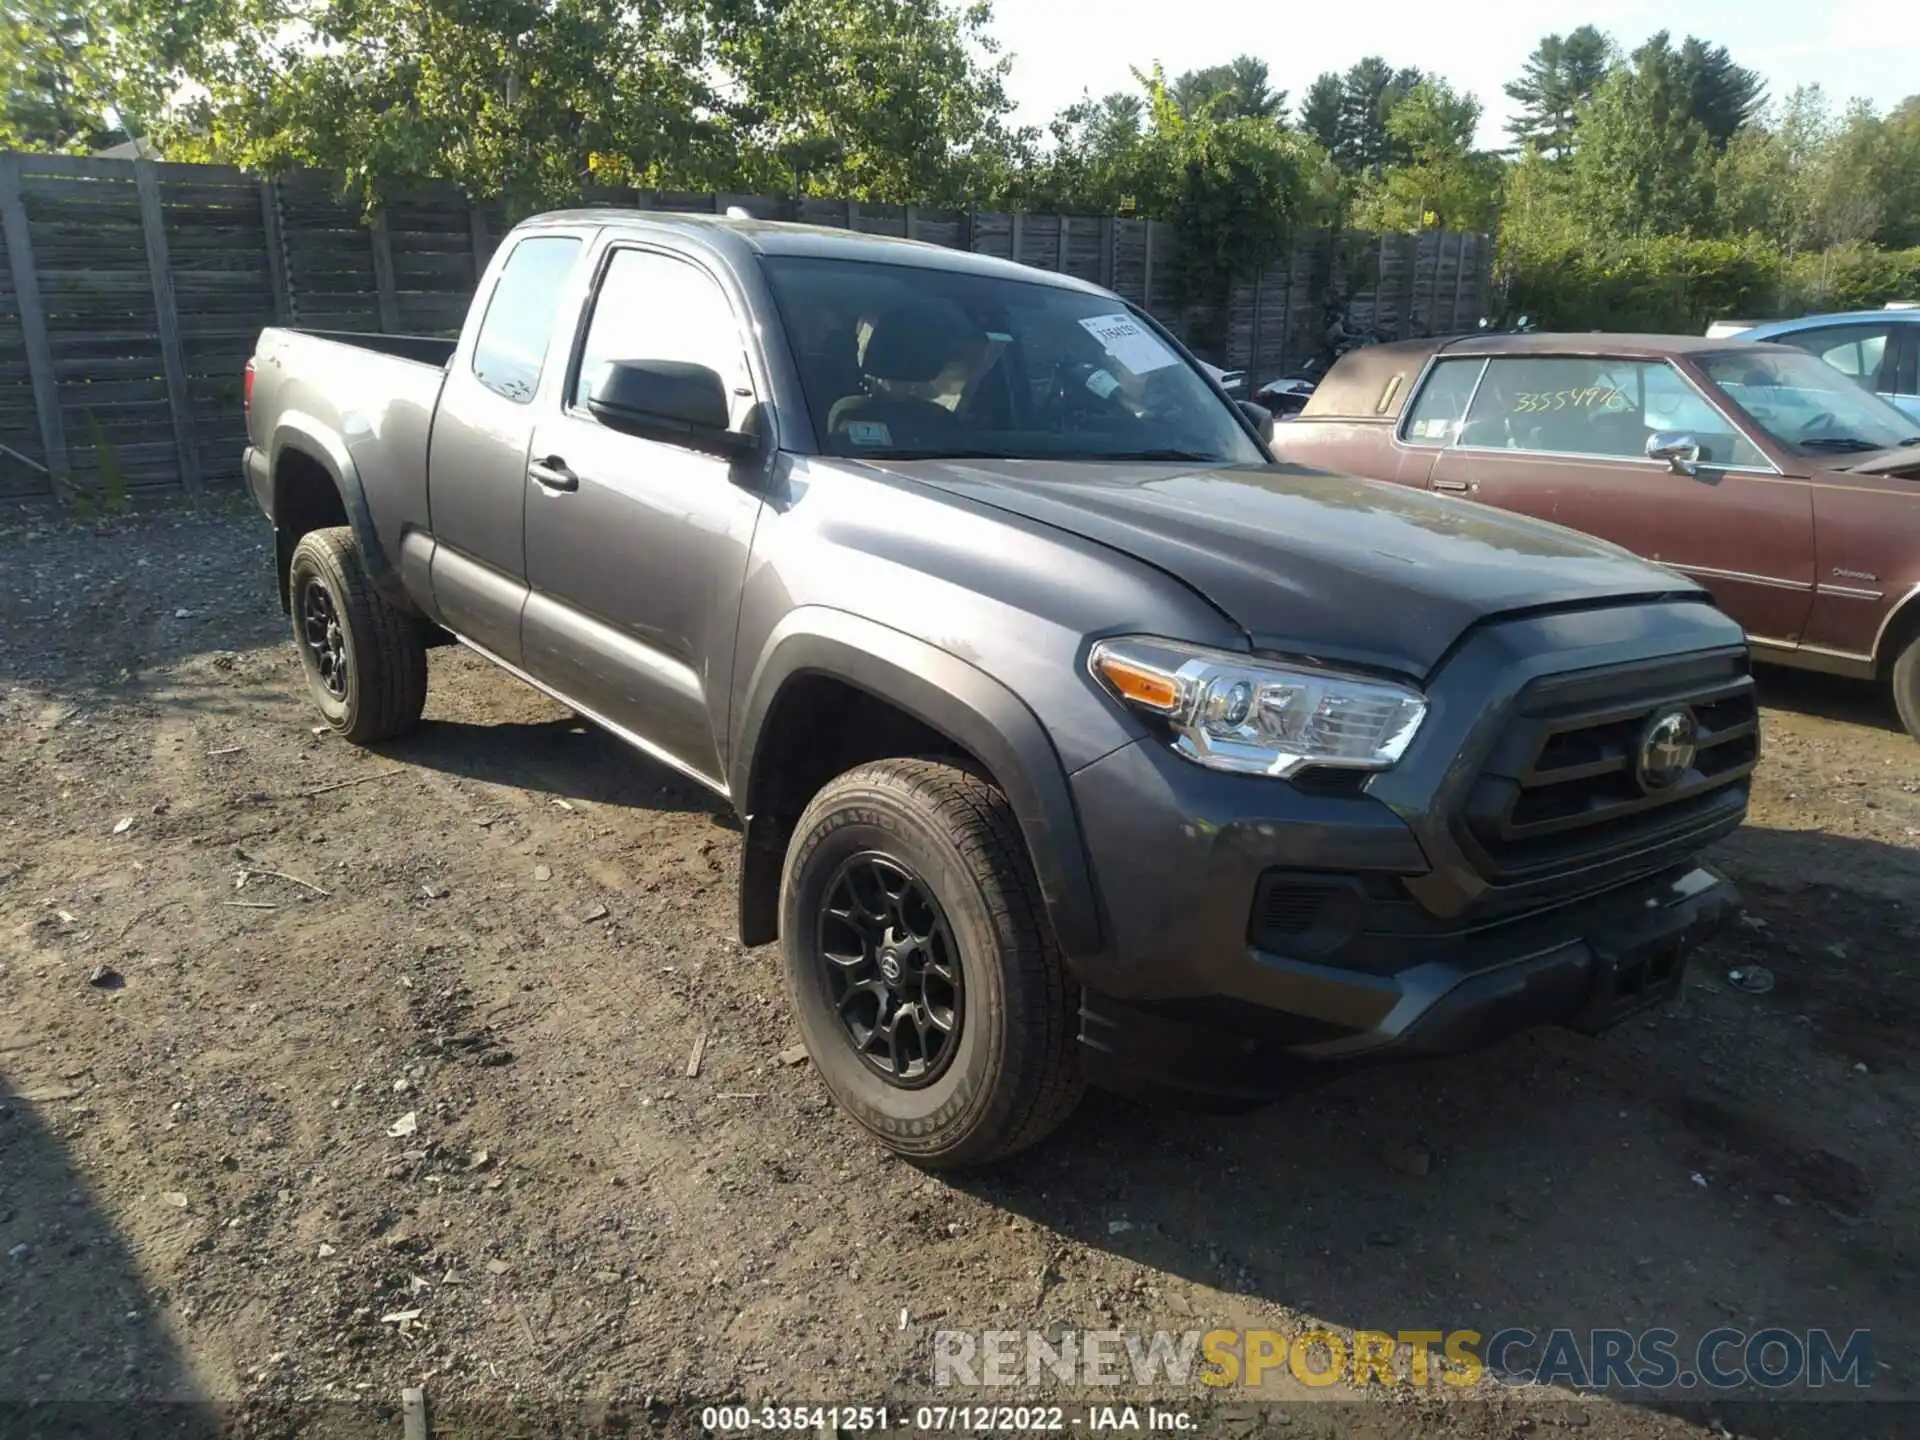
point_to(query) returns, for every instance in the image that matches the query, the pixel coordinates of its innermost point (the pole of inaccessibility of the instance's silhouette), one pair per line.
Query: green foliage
(53, 66)
(882, 100)
(1560, 77)
(1721, 95)
(1237, 90)
(1320, 111)
(1643, 164)
(1444, 182)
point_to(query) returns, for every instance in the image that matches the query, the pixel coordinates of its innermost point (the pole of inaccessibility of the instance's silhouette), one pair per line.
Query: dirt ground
(430, 1060)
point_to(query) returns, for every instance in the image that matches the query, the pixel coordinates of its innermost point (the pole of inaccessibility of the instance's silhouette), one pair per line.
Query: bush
(1673, 285)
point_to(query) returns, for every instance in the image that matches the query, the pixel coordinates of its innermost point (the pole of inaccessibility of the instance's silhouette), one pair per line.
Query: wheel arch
(316, 484)
(978, 716)
(1900, 626)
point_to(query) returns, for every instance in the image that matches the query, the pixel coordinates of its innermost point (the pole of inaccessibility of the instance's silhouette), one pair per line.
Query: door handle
(552, 474)
(1460, 487)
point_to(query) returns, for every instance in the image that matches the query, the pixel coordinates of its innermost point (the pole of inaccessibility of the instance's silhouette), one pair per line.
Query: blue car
(1878, 348)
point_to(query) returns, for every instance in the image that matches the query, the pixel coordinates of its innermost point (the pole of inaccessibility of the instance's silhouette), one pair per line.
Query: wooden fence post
(477, 237)
(33, 328)
(1106, 251)
(966, 230)
(383, 272)
(270, 224)
(1060, 252)
(1253, 338)
(167, 319)
(1146, 278)
(1018, 233)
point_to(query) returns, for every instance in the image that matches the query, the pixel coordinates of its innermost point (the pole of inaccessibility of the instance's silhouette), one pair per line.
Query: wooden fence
(132, 291)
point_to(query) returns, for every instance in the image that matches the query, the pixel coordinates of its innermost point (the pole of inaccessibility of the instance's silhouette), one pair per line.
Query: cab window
(1607, 408)
(1436, 412)
(652, 306)
(511, 348)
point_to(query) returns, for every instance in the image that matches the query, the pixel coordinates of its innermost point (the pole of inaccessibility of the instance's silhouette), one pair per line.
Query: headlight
(1230, 712)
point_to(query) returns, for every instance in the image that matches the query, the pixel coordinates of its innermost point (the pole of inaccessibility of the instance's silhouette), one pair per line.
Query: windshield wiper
(1910, 440)
(1847, 443)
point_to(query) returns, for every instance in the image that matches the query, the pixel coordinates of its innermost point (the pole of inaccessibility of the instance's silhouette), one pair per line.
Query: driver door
(1564, 438)
(636, 548)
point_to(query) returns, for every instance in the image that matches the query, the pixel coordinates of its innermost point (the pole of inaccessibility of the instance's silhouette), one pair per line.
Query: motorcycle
(1287, 396)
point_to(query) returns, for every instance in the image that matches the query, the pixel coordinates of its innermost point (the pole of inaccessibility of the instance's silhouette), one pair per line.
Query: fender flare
(951, 696)
(303, 434)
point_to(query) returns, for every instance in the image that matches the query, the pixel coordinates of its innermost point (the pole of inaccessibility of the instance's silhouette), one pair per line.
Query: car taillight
(246, 388)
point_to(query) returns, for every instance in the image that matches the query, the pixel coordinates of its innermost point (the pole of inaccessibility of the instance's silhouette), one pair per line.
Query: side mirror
(1678, 448)
(1261, 417)
(669, 401)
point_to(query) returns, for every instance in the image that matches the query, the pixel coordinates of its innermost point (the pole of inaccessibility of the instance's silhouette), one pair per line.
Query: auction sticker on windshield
(1138, 349)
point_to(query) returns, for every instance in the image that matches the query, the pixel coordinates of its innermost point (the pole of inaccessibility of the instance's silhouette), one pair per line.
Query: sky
(1865, 48)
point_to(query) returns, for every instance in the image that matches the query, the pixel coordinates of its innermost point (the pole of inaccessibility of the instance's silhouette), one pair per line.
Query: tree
(1320, 110)
(1237, 90)
(1897, 175)
(1444, 182)
(50, 65)
(1643, 165)
(1769, 181)
(1368, 93)
(888, 100)
(1560, 76)
(911, 91)
(1721, 95)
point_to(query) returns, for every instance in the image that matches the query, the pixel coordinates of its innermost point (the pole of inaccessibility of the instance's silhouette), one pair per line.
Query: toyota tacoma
(1073, 739)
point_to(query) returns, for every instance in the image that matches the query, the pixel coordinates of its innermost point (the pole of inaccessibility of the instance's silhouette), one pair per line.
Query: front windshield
(1807, 404)
(900, 361)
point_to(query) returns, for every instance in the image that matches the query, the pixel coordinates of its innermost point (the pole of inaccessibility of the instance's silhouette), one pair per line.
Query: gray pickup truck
(1072, 738)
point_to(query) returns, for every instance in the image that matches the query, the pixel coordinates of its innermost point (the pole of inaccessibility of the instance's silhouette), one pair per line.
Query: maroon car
(1791, 493)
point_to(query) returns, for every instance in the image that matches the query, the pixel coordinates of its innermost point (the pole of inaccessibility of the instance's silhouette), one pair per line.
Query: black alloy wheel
(893, 969)
(323, 637)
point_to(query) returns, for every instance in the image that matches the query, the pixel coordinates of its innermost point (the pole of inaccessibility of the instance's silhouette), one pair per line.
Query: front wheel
(1906, 685)
(365, 665)
(921, 966)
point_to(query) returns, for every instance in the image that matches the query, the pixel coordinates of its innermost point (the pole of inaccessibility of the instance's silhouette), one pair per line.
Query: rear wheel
(1906, 684)
(365, 664)
(922, 970)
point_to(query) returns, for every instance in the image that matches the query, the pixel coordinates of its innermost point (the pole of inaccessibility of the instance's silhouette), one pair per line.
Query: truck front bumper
(1254, 946)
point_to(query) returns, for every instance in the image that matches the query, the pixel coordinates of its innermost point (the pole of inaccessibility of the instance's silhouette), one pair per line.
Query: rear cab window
(510, 349)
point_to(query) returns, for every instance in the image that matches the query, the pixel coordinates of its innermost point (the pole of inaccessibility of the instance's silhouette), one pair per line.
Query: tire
(1007, 1073)
(1906, 685)
(367, 671)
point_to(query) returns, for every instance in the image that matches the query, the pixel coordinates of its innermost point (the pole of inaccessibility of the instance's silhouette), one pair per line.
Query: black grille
(1292, 909)
(1561, 789)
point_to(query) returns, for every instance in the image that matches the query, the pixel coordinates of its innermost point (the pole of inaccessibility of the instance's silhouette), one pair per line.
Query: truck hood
(1309, 563)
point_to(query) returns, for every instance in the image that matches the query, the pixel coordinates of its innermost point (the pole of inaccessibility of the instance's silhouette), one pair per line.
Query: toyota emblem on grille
(1667, 748)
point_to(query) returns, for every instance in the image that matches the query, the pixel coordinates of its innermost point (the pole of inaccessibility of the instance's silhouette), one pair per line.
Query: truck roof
(738, 238)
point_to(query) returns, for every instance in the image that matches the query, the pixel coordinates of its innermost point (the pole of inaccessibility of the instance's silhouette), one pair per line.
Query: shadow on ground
(568, 757)
(87, 1351)
(1734, 1160)
(1830, 697)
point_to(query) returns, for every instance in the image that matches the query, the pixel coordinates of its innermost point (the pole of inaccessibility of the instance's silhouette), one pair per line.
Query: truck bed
(426, 349)
(376, 393)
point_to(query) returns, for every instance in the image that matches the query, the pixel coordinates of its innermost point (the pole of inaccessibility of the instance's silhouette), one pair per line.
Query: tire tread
(390, 663)
(1043, 1082)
